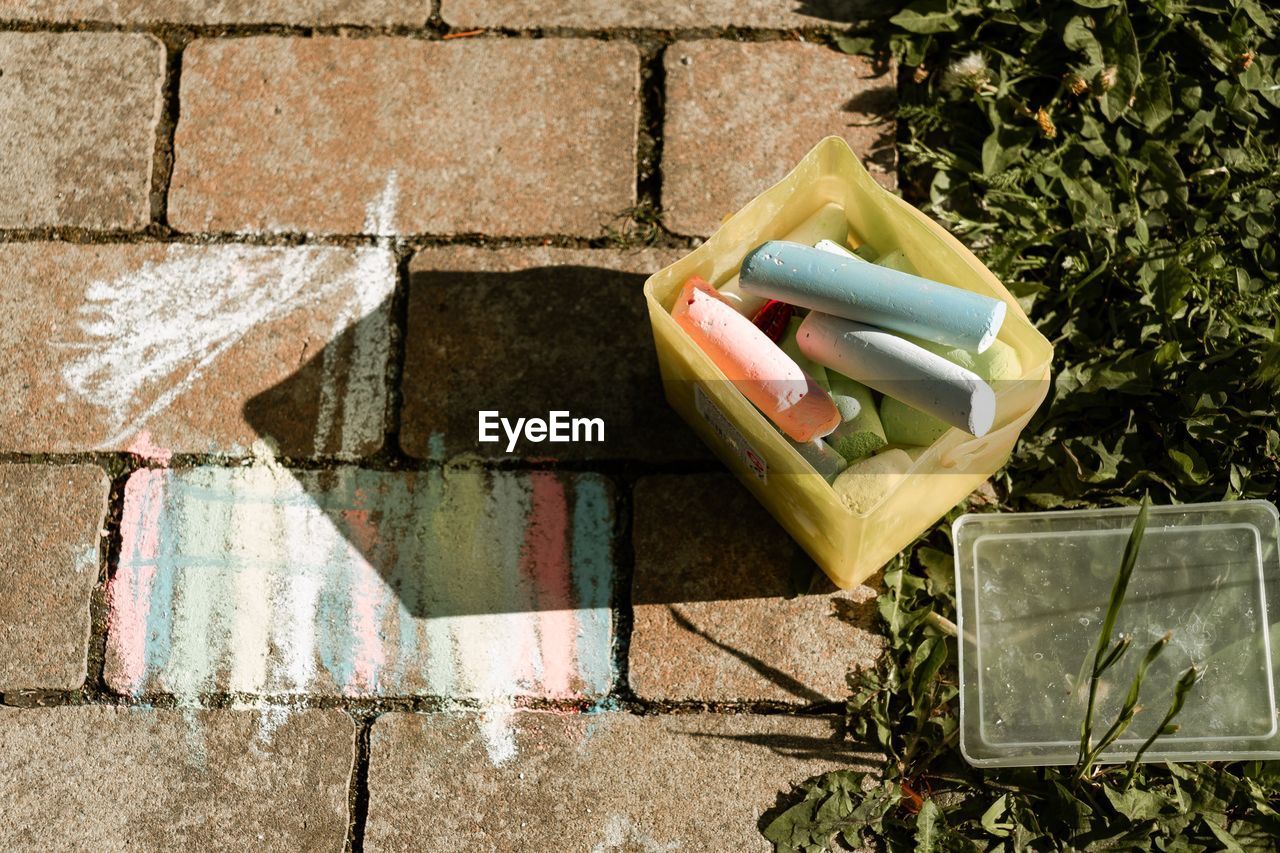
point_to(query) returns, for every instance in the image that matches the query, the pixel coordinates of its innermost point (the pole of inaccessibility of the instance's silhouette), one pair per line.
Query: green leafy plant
(926, 798)
(1115, 164)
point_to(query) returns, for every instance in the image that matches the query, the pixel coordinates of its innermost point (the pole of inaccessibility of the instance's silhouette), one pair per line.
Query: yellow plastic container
(849, 547)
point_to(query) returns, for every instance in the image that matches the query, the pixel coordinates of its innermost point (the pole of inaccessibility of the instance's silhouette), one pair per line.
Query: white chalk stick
(900, 369)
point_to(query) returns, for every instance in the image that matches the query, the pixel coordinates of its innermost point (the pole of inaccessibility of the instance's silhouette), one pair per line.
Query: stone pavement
(261, 264)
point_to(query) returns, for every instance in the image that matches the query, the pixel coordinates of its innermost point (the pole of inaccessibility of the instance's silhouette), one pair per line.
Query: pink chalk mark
(369, 655)
(130, 590)
(544, 560)
(143, 445)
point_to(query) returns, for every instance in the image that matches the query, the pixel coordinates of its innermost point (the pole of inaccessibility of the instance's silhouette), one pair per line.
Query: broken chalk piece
(791, 348)
(869, 293)
(895, 260)
(772, 319)
(864, 484)
(828, 223)
(765, 375)
(900, 369)
(860, 433)
(866, 253)
(835, 248)
(905, 425)
(822, 456)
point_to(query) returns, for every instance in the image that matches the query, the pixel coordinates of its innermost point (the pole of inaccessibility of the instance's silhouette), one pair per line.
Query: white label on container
(729, 434)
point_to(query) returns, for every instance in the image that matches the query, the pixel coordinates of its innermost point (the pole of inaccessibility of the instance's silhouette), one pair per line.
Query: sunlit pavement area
(261, 264)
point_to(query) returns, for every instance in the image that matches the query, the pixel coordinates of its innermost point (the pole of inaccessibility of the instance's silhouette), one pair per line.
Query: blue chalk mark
(593, 582)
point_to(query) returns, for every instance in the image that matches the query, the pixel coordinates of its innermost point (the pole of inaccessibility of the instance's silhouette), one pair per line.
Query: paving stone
(78, 111)
(714, 616)
(459, 583)
(52, 516)
(338, 135)
(102, 778)
(583, 782)
(603, 14)
(298, 12)
(201, 349)
(739, 116)
(480, 323)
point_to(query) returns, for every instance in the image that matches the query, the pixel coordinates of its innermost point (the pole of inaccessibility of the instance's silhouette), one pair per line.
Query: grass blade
(1130, 707)
(1100, 657)
(1180, 691)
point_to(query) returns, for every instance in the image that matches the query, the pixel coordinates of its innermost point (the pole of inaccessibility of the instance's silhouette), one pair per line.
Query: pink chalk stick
(757, 367)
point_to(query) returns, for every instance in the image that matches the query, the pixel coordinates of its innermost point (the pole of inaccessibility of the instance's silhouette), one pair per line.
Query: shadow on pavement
(469, 540)
(839, 11)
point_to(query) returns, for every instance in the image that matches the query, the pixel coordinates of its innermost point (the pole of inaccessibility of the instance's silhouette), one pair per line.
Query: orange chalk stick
(757, 367)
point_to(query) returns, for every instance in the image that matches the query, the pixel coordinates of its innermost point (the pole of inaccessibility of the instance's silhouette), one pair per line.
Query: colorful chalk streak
(457, 583)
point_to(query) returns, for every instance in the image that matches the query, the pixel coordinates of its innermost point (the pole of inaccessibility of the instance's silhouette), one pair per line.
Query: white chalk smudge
(380, 214)
(86, 560)
(293, 627)
(270, 717)
(193, 735)
(497, 650)
(252, 597)
(365, 401)
(497, 727)
(623, 833)
(150, 334)
(205, 531)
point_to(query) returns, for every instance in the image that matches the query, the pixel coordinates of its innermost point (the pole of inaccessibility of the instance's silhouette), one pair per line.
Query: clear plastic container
(849, 547)
(1032, 590)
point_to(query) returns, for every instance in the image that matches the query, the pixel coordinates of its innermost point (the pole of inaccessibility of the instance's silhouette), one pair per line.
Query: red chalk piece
(772, 319)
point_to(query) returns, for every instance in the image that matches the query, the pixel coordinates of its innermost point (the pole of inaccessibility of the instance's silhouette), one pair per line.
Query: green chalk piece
(860, 432)
(824, 458)
(895, 260)
(864, 484)
(788, 343)
(829, 223)
(866, 253)
(913, 451)
(999, 361)
(907, 426)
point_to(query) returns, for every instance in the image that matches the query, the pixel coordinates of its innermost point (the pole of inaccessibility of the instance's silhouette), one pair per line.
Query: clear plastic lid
(1033, 588)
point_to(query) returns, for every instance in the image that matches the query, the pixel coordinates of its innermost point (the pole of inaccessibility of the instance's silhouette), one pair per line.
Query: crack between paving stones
(399, 327)
(368, 706)
(358, 795)
(161, 235)
(435, 29)
(163, 159)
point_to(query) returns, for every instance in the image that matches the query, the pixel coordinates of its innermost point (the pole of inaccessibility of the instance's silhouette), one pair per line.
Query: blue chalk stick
(879, 296)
